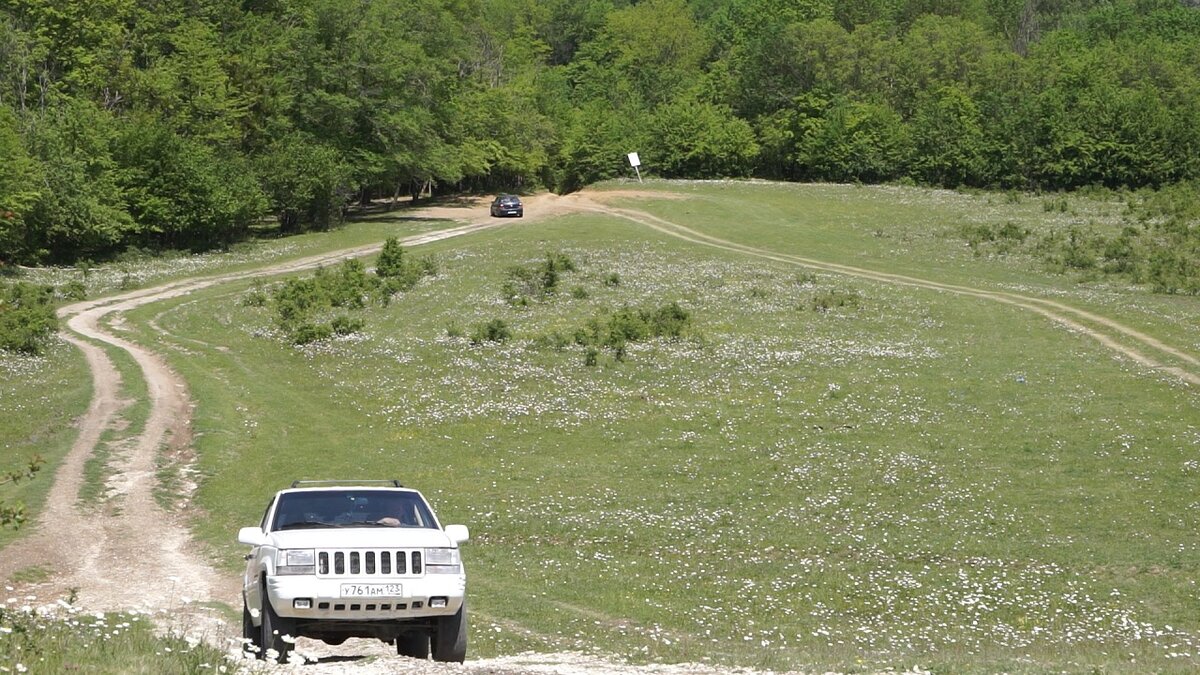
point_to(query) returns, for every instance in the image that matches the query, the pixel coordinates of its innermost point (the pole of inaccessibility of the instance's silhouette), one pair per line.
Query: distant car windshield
(509, 201)
(351, 508)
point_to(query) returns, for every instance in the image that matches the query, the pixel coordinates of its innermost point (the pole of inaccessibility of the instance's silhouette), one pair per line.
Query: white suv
(333, 560)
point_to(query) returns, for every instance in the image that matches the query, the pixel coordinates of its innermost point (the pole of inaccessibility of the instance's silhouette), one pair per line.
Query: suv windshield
(351, 508)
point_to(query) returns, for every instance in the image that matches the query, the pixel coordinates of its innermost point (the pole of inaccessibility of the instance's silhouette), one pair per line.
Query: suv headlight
(442, 561)
(297, 561)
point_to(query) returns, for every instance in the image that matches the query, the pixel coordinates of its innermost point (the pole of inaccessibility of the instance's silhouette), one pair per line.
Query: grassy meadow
(822, 473)
(40, 398)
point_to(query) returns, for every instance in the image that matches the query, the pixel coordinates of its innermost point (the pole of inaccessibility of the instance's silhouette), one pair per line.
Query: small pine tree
(391, 261)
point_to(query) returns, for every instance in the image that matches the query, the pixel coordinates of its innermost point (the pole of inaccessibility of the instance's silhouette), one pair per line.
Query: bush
(527, 283)
(345, 325)
(1003, 238)
(495, 330)
(390, 262)
(628, 325)
(12, 514)
(306, 332)
(255, 297)
(298, 302)
(833, 299)
(27, 318)
(400, 273)
(73, 290)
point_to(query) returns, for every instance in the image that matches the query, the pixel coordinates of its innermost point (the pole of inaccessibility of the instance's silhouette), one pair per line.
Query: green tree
(19, 183)
(948, 139)
(182, 193)
(700, 140)
(307, 183)
(79, 212)
(855, 141)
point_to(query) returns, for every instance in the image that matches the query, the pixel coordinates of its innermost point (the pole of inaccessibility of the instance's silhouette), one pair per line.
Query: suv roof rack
(301, 483)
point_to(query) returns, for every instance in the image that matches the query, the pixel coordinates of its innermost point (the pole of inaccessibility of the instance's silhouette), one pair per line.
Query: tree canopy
(181, 124)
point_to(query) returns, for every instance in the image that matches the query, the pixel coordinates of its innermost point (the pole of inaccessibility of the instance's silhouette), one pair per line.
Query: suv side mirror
(253, 536)
(458, 533)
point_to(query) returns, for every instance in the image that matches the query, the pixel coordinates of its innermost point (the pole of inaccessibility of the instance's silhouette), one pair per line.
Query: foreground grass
(40, 398)
(914, 478)
(58, 638)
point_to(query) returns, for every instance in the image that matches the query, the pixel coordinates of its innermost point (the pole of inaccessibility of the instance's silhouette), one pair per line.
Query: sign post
(635, 163)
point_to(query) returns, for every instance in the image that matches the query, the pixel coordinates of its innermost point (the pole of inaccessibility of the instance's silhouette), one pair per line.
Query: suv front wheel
(251, 634)
(450, 637)
(413, 645)
(274, 628)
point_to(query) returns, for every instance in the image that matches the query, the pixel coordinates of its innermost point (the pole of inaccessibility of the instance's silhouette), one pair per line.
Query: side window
(266, 513)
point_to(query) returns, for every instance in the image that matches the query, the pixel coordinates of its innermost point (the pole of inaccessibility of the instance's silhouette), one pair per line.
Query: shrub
(454, 330)
(1004, 238)
(390, 262)
(495, 330)
(554, 340)
(613, 279)
(526, 283)
(400, 273)
(12, 514)
(628, 325)
(579, 293)
(346, 325)
(670, 320)
(27, 318)
(833, 299)
(73, 290)
(306, 332)
(255, 297)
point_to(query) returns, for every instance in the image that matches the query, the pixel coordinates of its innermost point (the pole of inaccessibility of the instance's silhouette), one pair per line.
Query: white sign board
(633, 160)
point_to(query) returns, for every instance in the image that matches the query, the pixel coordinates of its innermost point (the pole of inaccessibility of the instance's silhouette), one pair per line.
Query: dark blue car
(507, 205)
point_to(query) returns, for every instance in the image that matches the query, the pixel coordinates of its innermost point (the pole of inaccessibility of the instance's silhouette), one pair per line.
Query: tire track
(1101, 328)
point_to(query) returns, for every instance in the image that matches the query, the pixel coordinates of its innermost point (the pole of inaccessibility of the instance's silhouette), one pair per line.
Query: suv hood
(363, 537)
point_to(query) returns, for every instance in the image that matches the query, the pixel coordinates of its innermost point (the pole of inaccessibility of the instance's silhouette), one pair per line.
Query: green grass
(40, 399)
(911, 478)
(48, 640)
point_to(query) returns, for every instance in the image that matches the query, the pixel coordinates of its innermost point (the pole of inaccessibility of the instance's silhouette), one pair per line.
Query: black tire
(450, 637)
(251, 634)
(413, 645)
(274, 627)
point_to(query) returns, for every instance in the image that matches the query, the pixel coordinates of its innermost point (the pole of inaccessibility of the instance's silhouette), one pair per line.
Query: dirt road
(94, 556)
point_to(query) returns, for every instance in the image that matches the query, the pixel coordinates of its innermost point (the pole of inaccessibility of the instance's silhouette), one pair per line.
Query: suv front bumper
(325, 601)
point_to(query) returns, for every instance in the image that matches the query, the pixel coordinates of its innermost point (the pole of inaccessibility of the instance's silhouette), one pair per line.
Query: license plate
(372, 590)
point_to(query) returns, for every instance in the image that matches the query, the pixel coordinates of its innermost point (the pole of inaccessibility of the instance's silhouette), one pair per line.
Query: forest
(152, 125)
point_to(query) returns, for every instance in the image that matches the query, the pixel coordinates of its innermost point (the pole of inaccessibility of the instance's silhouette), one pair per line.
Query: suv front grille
(368, 563)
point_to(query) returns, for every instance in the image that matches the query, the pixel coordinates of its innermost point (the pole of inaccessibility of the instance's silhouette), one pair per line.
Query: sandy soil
(133, 555)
